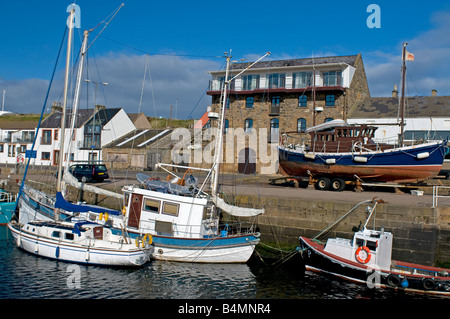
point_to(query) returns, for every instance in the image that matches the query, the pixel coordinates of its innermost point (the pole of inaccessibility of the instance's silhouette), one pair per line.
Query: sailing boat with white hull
(75, 240)
(182, 218)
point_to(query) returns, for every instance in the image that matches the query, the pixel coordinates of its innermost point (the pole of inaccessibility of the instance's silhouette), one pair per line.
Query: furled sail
(235, 210)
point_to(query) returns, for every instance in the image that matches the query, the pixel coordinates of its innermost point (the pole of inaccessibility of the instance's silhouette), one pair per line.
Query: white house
(92, 130)
(16, 137)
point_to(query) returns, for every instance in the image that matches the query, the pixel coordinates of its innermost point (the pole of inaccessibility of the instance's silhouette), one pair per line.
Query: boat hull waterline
(230, 249)
(57, 250)
(399, 165)
(320, 261)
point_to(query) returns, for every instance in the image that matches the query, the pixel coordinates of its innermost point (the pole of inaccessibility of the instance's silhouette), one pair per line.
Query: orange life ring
(358, 257)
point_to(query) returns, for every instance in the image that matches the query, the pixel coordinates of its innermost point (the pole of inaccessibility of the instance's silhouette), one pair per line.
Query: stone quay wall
(421, 234)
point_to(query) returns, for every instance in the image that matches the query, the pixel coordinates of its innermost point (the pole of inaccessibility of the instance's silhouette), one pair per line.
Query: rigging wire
(40, 119)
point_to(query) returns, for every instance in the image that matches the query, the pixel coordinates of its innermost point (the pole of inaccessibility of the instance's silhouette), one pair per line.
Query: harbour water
(24, 276)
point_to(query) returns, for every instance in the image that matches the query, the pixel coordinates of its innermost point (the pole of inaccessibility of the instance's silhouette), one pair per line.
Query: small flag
(409, 56)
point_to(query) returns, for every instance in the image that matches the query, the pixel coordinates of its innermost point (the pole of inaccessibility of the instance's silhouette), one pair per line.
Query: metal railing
(436, 194)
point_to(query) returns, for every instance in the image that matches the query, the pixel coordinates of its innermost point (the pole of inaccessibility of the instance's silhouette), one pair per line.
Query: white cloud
(430, 69)
(170, 80)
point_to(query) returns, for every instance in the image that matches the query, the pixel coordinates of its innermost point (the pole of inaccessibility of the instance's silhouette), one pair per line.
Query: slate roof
(54, 119)
(348, 59)
(387, 107)
(103, 116)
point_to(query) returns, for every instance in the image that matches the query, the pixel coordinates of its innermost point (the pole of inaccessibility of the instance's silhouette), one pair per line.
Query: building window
(302, 101)
(250, 82)
(301, 80)
(226, 125)
(276, 101)
(22, 148)
(11, 150)
(2, 148)
(277, 80)
(46, 137)
(332, 78)
(55, 135)
(329, 100)
(45, 156)
(274, 129)
(248, 125)
(228, 103)
(249, 102)
(301, 125)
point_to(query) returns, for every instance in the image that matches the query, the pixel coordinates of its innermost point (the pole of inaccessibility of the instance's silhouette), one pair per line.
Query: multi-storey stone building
(280, 96)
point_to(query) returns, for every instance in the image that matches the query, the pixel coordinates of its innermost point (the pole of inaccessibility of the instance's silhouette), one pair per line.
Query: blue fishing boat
(338, 153)
(343, 152)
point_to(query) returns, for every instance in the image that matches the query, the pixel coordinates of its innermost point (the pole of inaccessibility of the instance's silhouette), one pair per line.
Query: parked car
(89, 172)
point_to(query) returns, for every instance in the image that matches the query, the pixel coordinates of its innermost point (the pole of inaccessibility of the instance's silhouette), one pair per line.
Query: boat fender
(106, 216)
(100, 217)
(423, 155)
(147, 239)
(428, 283)
(137, 242)
(124, 210)
(405, 283)
(363, 258)
(360, 159)
(393, 280)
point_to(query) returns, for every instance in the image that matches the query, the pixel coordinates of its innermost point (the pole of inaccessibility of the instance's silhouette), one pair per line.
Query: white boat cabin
(166, 214)
(369, 247)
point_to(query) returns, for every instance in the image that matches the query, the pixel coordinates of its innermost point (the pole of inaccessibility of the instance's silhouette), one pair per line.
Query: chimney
(99, 107)
(56, 107)
(395, 92)
(433, 92)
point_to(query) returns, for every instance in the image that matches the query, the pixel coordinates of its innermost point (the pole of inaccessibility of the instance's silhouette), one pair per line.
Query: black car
(89, 172)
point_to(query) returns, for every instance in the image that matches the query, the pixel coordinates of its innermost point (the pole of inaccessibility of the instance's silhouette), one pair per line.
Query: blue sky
(185, 39)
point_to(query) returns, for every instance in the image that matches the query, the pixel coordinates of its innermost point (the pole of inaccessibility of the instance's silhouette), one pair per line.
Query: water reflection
(29, 277)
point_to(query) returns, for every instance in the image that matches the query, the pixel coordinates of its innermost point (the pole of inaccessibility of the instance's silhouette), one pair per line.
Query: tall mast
(77, 87)
(219, 143)
(402, 101)
(66, 85)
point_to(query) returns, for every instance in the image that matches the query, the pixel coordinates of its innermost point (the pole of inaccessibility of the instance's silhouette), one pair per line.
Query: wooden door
(134, 216)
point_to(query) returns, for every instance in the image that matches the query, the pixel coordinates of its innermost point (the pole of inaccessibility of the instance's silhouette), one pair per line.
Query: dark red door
(135, 211)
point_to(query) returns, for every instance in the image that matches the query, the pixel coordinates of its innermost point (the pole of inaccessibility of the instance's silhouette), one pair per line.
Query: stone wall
(421, 234)
(289, 112)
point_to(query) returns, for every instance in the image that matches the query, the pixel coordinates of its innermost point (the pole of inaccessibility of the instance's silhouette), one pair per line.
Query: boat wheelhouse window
(152, 205)
(170, 209)
(56, 234)
(359, 242)
(372, 245)
(69, 236)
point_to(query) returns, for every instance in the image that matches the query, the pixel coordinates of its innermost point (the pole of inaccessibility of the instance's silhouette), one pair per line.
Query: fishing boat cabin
(338, 136)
